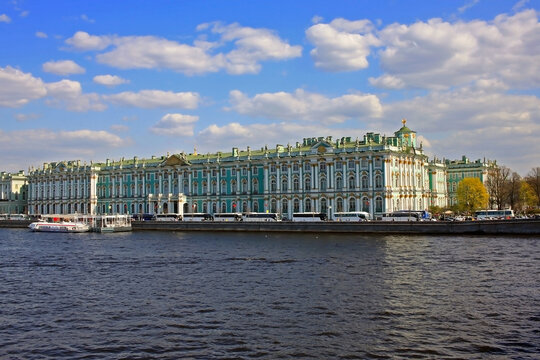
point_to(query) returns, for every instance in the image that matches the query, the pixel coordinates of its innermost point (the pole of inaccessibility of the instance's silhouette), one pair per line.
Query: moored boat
(59, 225)
(111, 223)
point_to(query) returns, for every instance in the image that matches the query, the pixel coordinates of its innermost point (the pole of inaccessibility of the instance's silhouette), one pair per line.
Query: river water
(197, 295)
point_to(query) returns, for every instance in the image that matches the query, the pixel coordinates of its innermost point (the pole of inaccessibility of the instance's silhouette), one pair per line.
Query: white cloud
(435, 54)
(109, 80)
(63, 67)
(302, 105)
(438, 54)
(475, 122)
(155, 99)
(468, 5)
(41, 35)
(342, 45)
(5, 18)
(26, 117)
(175, 125)
(43, 145)
(85, 17)
(119, 128)
(68, 94)
(251, 46)
(18, 88)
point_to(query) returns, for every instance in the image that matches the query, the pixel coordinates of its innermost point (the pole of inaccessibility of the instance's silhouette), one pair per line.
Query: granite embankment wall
(502, 227)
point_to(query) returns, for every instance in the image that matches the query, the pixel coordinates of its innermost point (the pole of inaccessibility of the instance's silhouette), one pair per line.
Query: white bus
(309, 216)
(352, 216)
(197, 217)
(253, 217)
(494, 214)
(228, 217)
(408, 215)
(168, 217)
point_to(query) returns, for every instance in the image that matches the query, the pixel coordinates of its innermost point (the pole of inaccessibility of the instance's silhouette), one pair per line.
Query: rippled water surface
(167, 295)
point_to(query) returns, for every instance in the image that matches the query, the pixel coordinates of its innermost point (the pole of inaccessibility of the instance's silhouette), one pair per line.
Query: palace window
(365, 204)
(255, 206)
(273, 206)
(284, 185)
(284, 206)
(378, 204)
(284, 167)
(307, 207)
(352, 204)
(322, 184)
(339, 204)
(307, 184)
(296, 184)
(233, 172)
(339, 183)
(273, 185)
(233, 187)
(223, 187)
(296, 205)
(339, 165)
(223, 207)
(364, 163)
(255, 189)
(364, 182)
(351, 164)
(295, 167)
(324, 208)
(351, 182)
(378, 181)
(223, 172)
(322, 167)
(272, 168)
(307, 166)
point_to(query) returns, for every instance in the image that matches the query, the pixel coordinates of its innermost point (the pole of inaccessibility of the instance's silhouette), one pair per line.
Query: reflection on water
(252, 295)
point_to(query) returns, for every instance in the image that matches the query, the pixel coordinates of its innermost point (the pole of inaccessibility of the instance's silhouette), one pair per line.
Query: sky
(96, 80)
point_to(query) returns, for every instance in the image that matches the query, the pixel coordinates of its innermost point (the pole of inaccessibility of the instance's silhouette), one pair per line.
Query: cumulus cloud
(175, 125)
(63, 67)
(250, 47)
(69, 95)
(302, 105)
(5, 18)
(149, 99)
(41, 35)
(42, 145)
(18, 88)
(435, 54)
(109, 80)
(342, 45)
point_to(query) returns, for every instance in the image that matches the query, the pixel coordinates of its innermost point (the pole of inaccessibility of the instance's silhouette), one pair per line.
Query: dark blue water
(160, 295)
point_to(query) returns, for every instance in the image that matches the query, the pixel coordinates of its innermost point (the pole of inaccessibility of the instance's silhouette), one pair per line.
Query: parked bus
(168, 217)
(494, 214)
(309, 216)
(252, 217)
(143, 217)
(228, 217)
(197, 217)
(406, 215)
(352, 216)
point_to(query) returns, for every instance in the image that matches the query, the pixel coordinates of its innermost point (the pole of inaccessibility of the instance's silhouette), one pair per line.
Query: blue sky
(92, 80)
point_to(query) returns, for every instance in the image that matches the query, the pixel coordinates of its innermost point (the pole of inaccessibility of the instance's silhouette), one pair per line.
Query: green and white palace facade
(376, 174)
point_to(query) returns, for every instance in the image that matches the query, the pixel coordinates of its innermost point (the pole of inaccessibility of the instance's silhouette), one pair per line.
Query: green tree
(527, 195)
(472, 195)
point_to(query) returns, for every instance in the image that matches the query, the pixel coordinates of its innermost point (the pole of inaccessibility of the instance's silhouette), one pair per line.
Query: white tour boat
(60, 224)
(111, 223)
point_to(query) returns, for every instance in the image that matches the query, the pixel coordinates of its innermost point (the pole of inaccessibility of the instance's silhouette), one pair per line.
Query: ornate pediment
(322, 147)
(176, 160)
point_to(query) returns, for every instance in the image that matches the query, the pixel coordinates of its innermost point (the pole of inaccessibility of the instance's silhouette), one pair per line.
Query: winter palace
(375, 174)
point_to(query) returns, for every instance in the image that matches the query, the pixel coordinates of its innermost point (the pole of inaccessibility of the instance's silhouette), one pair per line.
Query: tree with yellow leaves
(472, 195)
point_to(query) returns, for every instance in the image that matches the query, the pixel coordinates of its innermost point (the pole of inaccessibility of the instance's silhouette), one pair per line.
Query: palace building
(13, 193)
(376, 174)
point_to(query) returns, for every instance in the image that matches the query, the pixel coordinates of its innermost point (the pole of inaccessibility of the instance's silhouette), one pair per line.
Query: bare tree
(533, 179)
(513, 190)
(496, 184)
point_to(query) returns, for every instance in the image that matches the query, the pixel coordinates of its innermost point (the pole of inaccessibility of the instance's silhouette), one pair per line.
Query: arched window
(378, 181)
(273, 206)
(273, 185)
(223, 187)
(307, 207)
(339, 183)
(365, 204)
(214, 187)
(339, 204)
(296, 205)
(214, 208)
(307, 184)
(352, 204)
(255, 189)
(322, 186)
(351, 182)
(244, 186)
(233, 187)
(296, 184)
(324, 208)
(284, 206)
(284, 185)
(186, 187)
(378, 204)
(255, 206)
(195, 188)
(204, 188)
(224, 207)
(364, 182)
(205, 207)
(244, 206)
